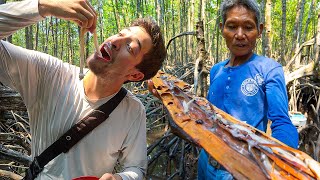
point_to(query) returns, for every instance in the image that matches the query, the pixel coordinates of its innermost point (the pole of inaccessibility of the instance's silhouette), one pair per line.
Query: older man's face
(240, 31)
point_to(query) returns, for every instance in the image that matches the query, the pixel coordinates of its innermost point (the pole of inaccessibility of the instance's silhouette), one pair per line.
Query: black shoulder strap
(74, 135)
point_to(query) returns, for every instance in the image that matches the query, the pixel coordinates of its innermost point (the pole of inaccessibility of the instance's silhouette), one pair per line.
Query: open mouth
(105, 51)
(240, 45)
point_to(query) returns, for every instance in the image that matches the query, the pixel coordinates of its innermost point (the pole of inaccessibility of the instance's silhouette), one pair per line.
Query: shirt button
(227, 87)
(229, 78)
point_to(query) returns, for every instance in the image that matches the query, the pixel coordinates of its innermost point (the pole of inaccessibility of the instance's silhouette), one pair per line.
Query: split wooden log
(244, 151)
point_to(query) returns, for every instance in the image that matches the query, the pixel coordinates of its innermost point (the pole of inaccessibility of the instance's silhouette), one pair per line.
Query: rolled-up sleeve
(17, 15)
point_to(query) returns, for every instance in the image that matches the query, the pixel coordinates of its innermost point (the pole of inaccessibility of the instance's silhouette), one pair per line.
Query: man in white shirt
(56, 99)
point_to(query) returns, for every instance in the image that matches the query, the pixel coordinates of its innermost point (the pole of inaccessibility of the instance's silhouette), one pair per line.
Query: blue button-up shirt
(254, 92)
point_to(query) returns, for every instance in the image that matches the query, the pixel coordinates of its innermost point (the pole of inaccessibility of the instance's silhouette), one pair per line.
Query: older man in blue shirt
(247, 86)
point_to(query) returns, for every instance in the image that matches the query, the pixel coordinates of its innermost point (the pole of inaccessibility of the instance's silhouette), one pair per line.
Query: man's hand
(152, 89)
(79, 11)
(108, 176)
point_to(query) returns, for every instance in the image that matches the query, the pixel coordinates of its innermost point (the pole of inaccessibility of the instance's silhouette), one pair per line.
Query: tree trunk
(139, 9)
(166, 22)
(158, 11)
(55, 35)
(116, 14)
(204, 20)
(52, 37)
(174, 54)
(62, 41)
(100, 18)
(263, 20)
(317, 49)
(208, 18)
(26, 36)
(191, 27)
(187, 28)
(268, 28)
(162, 13)
(300, 24)
(29, 37)
(181, 49)
(296, 31)
(47, 30)
(217, 35)
(185, 38)
(160, 16)
(311, 9)
(70, 41)
(298, 34)
(283, 31)
(36, 39)
(200, 11)
(200, 75)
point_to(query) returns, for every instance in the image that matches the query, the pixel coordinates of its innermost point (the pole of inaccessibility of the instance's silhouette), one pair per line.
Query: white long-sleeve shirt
(55, 99)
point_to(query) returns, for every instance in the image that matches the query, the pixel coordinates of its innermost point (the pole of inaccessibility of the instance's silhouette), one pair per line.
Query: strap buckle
(34, 170)
(214, 163)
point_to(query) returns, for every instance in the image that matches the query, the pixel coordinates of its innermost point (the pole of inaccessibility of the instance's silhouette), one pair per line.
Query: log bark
(244, 151)
(268, 45)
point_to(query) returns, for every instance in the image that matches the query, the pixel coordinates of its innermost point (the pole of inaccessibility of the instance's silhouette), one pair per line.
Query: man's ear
(135, 76)
(260, 30)
(221, 28)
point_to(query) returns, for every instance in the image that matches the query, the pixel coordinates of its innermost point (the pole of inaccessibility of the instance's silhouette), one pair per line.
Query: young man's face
(240, 31)
(121, 53)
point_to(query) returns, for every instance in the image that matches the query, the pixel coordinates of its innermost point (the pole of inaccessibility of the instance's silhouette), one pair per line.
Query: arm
(21, 69)
(282, 127)
(12, 18)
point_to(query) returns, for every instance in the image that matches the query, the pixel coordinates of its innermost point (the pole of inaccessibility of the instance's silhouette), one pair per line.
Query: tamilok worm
(82, 49)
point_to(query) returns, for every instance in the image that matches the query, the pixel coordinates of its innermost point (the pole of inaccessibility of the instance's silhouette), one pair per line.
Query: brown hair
(151, 61)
